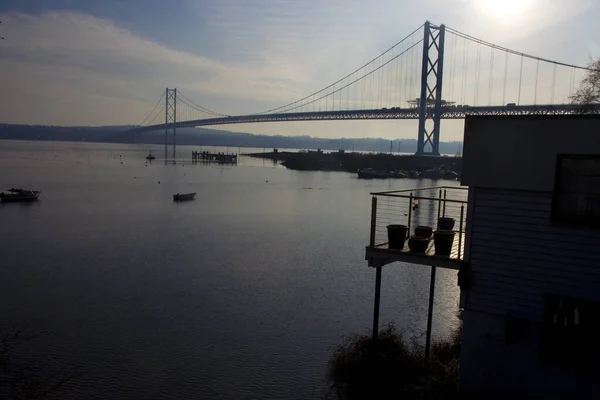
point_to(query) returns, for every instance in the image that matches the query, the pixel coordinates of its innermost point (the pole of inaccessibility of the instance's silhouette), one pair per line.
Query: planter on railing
(418, 244)
(445, 223)
(443, 240)
(424, 231)
(397, 236)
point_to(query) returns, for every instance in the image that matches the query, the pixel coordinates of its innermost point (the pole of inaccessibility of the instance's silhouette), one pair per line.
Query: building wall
(494, 366)
(516, 257)
(520, 152)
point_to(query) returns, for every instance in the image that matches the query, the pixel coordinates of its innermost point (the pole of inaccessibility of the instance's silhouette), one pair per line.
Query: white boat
(19, 195)
(184, 196)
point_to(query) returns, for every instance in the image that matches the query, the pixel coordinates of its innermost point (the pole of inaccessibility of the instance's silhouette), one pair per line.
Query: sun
(505, 8)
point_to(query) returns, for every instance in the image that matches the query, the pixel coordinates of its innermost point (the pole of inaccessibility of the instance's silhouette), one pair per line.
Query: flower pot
(418, 244)
(445, 223)
(396, 236)
(424, 231)
(443, 240)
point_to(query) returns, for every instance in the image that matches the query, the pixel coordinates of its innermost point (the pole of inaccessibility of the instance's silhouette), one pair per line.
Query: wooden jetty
(209, 157)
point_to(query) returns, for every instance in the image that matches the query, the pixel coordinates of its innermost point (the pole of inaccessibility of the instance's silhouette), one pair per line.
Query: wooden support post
(376, 305)
(373, 220)
(430, 314)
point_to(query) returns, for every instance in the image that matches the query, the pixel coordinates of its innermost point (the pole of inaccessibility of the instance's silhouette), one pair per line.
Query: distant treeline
(212, 137)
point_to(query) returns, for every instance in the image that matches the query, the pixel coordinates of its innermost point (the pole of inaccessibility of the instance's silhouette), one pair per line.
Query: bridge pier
(170, 119)
(428, 139)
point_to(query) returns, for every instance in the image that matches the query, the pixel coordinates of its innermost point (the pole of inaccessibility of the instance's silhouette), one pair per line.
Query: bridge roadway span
(451, 112)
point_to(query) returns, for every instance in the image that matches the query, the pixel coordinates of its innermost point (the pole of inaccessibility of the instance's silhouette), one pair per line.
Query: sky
(77, 62)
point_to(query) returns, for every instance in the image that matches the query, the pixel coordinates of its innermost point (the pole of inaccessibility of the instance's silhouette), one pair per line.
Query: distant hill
(211, 137)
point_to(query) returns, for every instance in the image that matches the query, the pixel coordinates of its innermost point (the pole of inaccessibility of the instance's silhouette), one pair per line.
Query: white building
(528, 250)
(532, 306)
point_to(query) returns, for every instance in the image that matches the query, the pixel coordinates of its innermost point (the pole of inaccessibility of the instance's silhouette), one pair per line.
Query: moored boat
(150, 156)
(19, 195)
(184, 196)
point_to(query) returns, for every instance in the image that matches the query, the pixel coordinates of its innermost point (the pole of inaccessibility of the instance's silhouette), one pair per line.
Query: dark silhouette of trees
(588, 91)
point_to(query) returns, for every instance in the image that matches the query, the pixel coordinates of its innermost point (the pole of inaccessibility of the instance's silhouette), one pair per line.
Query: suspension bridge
(407, 81)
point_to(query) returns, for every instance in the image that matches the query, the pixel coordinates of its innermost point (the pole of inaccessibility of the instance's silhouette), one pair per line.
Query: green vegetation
(393, 368)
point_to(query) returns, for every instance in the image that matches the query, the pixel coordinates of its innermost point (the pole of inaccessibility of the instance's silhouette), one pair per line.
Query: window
(577, 190)
(570, 332)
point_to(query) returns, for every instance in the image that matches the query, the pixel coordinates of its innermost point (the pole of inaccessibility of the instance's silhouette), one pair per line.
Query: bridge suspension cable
(162, 96)
(326, 95)
(200, 108)
(294, 103)
(497, 47)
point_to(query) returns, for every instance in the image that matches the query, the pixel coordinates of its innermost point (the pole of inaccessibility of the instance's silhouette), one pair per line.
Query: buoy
(159, 182)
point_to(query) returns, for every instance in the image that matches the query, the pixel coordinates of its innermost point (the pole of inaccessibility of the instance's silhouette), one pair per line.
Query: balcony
(412, 208)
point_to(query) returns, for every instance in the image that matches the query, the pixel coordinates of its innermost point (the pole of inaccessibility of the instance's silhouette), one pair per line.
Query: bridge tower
(170, 119)
(432, 70)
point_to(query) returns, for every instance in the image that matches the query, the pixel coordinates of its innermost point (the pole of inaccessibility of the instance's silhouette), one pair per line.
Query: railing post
(410, 206)
(444, 208)
(460, 230)
(439, 206)
(373, 220)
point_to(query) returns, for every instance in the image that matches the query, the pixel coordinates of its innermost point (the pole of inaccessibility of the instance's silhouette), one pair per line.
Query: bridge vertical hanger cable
(404, 83)
(463, 89)
(453, 66)
(477, 75)
(491, 77)
(520, 82)
(373, 95)
(537, 72)
(364, 90)
(409, 74)
(380, 94)
(413, 74)
(505, 76)
(553, 84)
(389, 81)
(572, 84)
(348, 97)
(396, 92)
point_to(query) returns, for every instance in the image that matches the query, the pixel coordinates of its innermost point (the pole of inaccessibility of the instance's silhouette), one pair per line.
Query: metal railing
(418, 207)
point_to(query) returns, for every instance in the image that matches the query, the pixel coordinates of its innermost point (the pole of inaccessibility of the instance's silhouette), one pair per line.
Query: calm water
(240, 294)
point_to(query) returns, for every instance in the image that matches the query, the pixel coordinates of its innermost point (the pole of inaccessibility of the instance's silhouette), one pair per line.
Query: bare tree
(588, 91)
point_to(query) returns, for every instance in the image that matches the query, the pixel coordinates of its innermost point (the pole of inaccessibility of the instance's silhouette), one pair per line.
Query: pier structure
(209, 157)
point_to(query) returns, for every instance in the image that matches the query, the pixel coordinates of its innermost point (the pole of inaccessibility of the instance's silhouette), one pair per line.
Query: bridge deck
(452, 112)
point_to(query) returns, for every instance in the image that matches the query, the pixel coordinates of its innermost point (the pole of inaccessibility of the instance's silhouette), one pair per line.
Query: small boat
(19, 195)
(184, 196)
(150, 156)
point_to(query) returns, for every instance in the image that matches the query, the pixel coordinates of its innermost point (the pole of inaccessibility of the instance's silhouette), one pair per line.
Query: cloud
(60, 55)
(73, 68)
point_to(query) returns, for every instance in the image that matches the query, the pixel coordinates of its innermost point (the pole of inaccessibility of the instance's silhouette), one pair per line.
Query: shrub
(392, 368)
